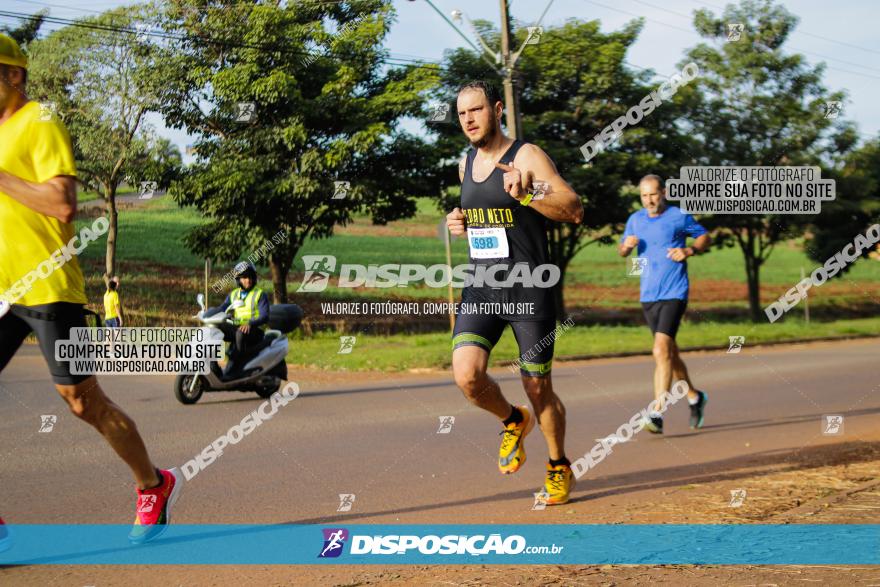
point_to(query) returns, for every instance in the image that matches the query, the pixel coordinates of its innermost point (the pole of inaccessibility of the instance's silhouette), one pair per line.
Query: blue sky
(842, 34)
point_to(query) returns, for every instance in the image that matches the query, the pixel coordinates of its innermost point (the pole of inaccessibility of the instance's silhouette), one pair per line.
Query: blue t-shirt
(662, 278)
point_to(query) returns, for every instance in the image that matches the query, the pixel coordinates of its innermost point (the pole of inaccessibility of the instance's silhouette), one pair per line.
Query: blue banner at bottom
(365, 544)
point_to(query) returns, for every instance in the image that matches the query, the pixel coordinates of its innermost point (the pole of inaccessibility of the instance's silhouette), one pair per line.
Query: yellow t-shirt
(111, 302)
(36, 150)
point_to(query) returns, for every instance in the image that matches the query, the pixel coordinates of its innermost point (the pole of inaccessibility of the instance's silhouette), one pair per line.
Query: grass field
(423, 351)
(160, 279)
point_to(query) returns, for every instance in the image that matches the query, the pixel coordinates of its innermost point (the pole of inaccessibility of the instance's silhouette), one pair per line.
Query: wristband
(527, 200)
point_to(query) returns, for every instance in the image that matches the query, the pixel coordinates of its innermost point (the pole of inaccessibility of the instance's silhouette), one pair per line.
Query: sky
(842, 34)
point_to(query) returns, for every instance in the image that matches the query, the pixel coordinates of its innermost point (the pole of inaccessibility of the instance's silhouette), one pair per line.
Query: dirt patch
(343, 576)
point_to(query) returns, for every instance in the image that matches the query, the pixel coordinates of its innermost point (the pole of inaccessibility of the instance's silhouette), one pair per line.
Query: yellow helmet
(10, 52)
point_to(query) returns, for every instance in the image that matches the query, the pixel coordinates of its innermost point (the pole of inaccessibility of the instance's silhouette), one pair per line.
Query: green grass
(420, 351)
(151, 237)
(153, 233)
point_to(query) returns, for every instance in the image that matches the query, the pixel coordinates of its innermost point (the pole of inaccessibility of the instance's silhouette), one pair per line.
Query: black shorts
(49, 322)
(535, 339)
(664, 315)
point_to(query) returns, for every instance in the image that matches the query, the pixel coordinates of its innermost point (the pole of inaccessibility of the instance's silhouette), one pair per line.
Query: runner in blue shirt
(659, 232)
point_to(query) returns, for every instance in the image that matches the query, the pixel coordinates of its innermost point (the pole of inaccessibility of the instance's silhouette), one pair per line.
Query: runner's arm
(629, 240)
(701, 243)
(560, 203)
(462, 165)
(624, 248)
(55, 197)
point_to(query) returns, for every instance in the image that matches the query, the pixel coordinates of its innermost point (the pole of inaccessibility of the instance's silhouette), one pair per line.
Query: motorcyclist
(248, 317)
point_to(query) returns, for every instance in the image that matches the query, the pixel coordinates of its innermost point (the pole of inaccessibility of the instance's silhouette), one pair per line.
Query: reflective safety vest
(250, 310)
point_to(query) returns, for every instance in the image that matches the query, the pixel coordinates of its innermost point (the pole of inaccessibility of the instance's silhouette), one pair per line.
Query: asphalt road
(376, 437)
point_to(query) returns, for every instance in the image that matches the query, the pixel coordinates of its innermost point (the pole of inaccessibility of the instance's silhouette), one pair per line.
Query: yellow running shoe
(559, 483)
(512, 453)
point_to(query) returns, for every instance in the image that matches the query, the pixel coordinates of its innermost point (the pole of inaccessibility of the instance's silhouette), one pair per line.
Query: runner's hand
(631, 241)
(245, 328)
(678, 255)
(455, 222)
(512, 181)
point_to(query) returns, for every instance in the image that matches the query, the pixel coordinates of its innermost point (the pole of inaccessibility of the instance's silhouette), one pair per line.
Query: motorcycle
(264, 368)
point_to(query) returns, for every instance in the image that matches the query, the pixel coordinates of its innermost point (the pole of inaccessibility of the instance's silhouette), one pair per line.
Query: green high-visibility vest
(248, 311)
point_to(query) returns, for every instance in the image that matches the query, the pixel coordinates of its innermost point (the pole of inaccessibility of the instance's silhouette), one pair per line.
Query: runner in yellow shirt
(42, 289)
(112, 305)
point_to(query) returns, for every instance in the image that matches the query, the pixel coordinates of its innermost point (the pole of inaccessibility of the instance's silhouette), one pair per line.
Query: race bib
(488, 243)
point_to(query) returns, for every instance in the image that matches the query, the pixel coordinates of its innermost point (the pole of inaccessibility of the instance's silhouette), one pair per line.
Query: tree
(325, 109)
(856, 207)
(27, 32)
(103, 82)
(573, 84)
(759, 106)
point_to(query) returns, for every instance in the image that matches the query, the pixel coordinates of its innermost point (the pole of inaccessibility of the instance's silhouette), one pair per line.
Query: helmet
(244, 269)
(10, 53)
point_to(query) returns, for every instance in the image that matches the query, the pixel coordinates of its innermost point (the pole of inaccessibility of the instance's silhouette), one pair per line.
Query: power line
(809, 34)
(691, 31)
(386, 60)
(389, 59)
(688, 17)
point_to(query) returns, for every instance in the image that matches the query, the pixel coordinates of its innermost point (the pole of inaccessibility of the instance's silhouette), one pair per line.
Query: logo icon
(734, 31)
(534, 36)
(736, 344)
(146, 503)
(148, 188)
(540, 500)
(833, 109)
(245, 112)
(737, 497)
(346, 345)
(334, 540)
(47, 423)
(439, 112)
(832, 424)
(540, 189)
(346, 500)
(48, 110)
(318, 270)
(446, 423)
(340, 189)
(637, 265)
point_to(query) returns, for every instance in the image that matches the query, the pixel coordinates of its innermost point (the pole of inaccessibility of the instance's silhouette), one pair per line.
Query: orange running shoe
(512, 454)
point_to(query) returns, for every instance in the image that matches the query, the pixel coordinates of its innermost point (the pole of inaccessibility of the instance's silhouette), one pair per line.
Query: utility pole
(508, 60)
(511, 96)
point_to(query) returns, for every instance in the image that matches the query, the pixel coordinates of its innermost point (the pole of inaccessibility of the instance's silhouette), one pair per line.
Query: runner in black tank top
(486, 205)
(505, 223)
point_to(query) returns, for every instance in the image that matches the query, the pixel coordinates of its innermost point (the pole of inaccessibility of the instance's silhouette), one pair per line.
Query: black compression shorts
(535, 339)
(49, 322)
(664, 315)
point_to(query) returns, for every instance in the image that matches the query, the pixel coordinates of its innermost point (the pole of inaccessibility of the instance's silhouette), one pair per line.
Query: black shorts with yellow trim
(535, 339)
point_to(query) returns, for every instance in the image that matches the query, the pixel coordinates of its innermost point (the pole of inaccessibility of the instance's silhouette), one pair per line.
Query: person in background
(112, 306)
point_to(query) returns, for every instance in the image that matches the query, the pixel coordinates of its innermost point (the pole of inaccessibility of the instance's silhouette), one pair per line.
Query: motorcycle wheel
(182, 391)
(268, 390)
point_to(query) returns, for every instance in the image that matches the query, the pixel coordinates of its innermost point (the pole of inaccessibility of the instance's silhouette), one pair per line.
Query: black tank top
(487, 206)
